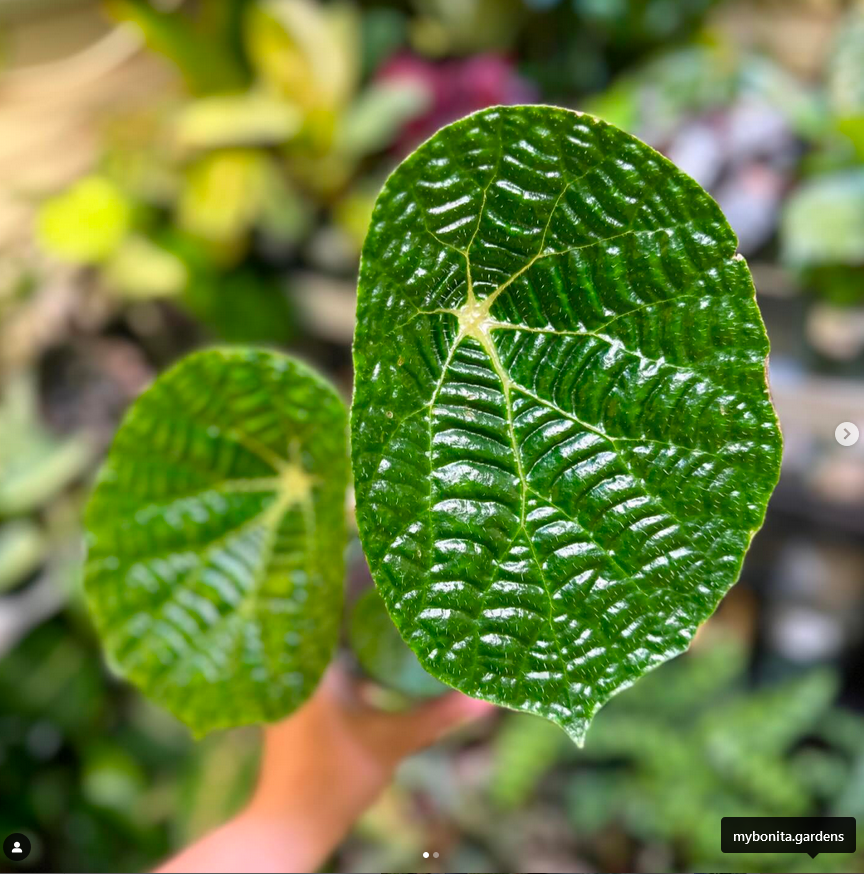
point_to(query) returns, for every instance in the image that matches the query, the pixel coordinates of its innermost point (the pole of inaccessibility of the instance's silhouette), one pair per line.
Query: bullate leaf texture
(562, 435)
(216, 535)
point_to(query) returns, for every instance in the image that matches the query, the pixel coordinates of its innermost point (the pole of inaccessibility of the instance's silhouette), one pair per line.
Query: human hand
(321, 768)
(337, 738)
(326, 763)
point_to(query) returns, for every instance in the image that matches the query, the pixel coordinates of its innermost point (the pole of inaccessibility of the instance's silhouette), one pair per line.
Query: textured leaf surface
(216, 538)
(562, 435)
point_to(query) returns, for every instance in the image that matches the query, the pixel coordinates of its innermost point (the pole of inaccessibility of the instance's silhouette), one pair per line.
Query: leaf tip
(577, 731)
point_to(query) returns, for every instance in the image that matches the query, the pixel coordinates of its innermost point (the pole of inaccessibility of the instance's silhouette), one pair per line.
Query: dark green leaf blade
(216, 538)
(562, 435)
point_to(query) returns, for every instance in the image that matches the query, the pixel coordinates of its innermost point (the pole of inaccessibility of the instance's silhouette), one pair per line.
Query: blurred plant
(523, 752)
(87, 223)
(22, 550)
(34, 464)
(846, 79)
(457, 88)
(275, 125)
(689, 744)
(287, 102)
(579, 46)
(97, 771)
(631, 22)
(444, 27)
(657, 98)
(726, 752)
(822, 233)
(39, 536)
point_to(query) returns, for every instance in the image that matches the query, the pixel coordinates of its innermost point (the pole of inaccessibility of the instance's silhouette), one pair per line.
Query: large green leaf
(563, 440)
(216, 537)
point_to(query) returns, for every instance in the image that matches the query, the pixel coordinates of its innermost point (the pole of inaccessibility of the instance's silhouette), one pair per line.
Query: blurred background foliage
(175, 173)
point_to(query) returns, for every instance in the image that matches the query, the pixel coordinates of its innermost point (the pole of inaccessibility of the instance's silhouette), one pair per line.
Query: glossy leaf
(563, 440)
(216, 537)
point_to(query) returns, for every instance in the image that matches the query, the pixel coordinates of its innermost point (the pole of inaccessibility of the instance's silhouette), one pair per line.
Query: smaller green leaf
(383, 654)
(216, 537)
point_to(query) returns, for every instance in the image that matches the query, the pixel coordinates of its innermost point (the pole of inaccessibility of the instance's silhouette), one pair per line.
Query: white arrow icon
(846, 434)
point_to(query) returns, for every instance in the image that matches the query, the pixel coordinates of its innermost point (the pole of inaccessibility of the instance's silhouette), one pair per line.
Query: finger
(430, 721)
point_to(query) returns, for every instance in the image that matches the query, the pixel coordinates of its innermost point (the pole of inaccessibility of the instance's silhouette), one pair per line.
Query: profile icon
(16, 847)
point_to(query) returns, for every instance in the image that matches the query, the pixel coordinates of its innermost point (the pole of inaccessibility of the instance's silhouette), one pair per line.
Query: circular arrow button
(846, 434)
